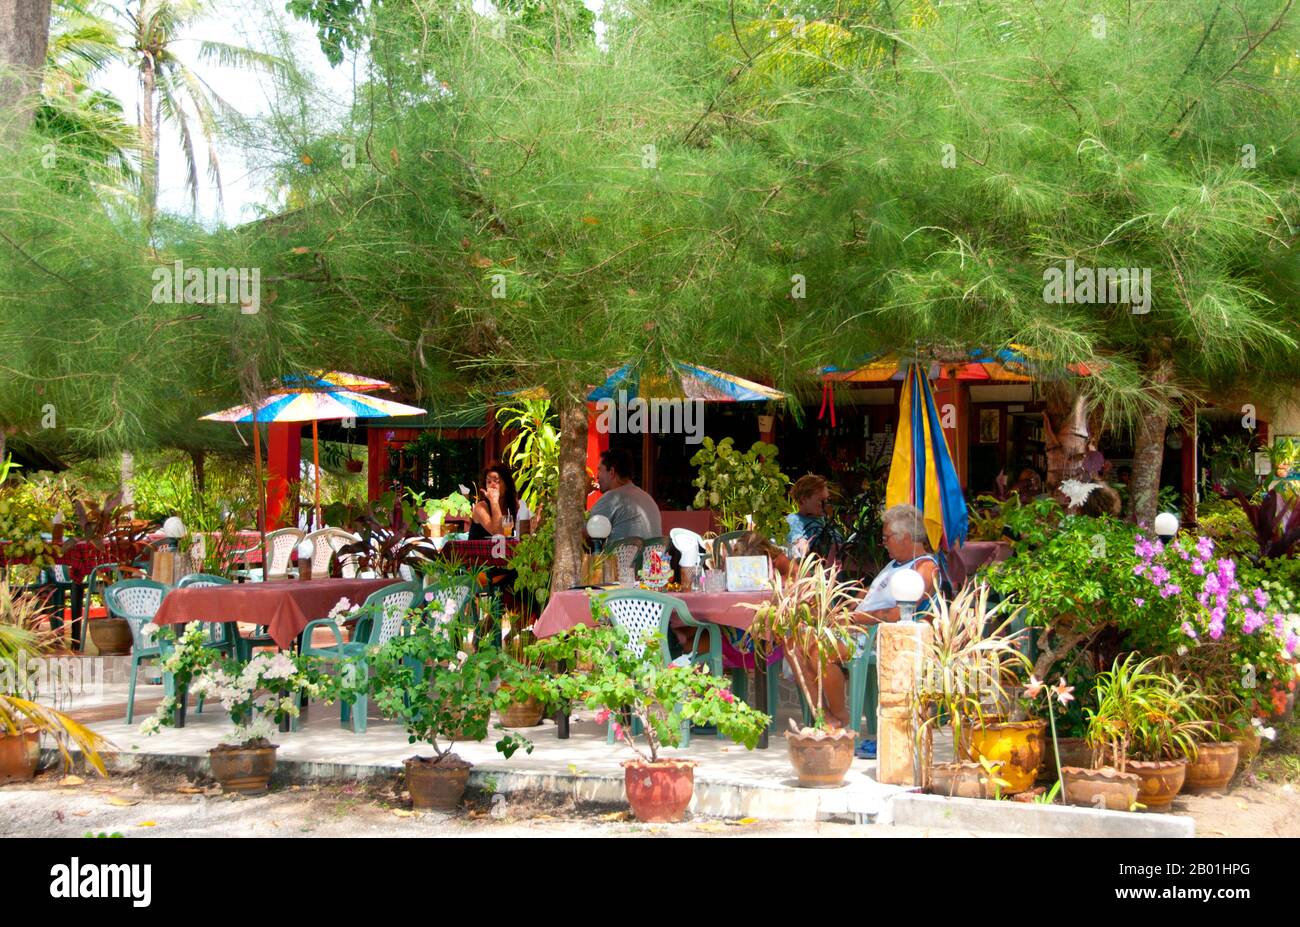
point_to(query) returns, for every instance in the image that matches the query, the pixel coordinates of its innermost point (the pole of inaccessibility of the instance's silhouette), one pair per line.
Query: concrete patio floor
(730, 781)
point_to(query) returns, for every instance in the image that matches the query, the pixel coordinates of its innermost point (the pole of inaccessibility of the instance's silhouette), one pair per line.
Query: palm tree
(87, 123)
(168, 85)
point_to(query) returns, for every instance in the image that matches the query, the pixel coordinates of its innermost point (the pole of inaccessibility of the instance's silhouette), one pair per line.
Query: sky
(240, 22)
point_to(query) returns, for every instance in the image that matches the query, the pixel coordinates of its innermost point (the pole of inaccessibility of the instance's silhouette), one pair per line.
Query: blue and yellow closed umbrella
(922, 473)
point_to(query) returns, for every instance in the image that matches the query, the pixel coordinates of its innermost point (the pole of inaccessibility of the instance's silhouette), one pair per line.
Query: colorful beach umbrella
(327, 380)
(922, 473)
(683, 381)
(314, 400)
(1013, 364)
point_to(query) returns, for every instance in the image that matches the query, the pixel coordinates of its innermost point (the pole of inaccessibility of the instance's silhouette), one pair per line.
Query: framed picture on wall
(990, 426)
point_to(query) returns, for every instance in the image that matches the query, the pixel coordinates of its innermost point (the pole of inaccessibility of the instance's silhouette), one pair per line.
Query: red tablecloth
(284, 606)
(81, 557)
(572, 607)
(480, 552)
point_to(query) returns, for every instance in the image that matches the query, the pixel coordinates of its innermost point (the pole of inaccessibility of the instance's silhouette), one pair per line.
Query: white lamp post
(1166, 526)
(598, 527)
(907, 587)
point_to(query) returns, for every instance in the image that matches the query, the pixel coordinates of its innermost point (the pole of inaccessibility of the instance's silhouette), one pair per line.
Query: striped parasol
(314, 398)
(683, 381)
(922, 472)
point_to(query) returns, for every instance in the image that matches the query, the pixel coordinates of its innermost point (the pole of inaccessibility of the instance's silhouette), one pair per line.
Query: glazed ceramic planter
(111, 636)
(523, 713)
(242, 769)
(659, 792)
(20, 755)
(1161, 780)
(1017, 745)
(961, 780)
(821, 758)
(436, 785)
(1100, 788)
(1213, 767)
(1074, 752)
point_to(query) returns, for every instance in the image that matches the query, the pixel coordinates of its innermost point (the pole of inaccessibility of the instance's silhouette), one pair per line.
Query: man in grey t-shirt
(631, 511)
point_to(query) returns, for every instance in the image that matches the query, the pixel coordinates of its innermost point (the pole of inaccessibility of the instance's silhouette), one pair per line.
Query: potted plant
(522, 692)
(259, 695)
(23, 717)
(970, 665)
(641, 692)
(812, 614)
(441, 693)
(184, 656)
(1145, 724)
(739, 486)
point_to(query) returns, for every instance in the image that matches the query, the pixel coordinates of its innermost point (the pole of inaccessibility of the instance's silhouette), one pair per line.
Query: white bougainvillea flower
(1078, 491)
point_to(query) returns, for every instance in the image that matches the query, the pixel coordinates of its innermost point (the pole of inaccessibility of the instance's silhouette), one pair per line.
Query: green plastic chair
(627, 554)
(722, 544)
(224, 635)
(383, 616)
(137, 601)
(863, 692)
(642, 612)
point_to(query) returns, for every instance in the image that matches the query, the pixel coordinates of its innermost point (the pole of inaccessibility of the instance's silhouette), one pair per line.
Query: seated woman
(905, 538)
(810, 493)
(499, 505)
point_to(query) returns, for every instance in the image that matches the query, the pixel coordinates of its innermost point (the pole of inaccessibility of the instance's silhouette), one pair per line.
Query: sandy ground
(176, 805)
(179, 805)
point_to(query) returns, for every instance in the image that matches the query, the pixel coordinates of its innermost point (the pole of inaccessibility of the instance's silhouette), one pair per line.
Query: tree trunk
(200, 477)
(128, 487)
(24, 37)
(1066, 435)
(149, 142)
(1149, 450)
(570, 497)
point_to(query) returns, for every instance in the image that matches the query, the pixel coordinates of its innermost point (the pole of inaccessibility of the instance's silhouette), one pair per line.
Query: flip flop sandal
(865, 750)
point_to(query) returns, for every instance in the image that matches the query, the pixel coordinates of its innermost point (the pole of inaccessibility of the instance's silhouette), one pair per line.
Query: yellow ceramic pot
(1017, 745)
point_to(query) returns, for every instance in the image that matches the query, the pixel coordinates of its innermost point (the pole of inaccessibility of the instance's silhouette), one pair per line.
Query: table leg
(78, 619)
(759, 701)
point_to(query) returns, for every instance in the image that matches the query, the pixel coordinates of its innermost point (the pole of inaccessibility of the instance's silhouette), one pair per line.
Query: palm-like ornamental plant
(1144, 712)
(969, 661)
(22, 640)
(809, 614)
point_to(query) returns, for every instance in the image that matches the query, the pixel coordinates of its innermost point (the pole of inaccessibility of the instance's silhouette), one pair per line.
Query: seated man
(905, 539)
(631, 511)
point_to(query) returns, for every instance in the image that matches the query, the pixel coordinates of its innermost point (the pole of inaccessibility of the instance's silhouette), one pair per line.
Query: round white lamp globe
(907, 587)
(1166, 525)
(306, 549)
(598, 527)
(173, 528)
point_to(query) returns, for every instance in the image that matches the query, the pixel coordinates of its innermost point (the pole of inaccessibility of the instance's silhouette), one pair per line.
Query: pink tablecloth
(573, 607)
(284, 606)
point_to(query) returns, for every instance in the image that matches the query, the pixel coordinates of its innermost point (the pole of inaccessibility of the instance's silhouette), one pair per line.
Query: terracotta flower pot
(1248, 745)
(1074, 752)
(242, 769)
(1213, 767)
(1161, 781)
(961, 780)
(112, 636)
(659, 792)
(436, 785)
(20, 754)
(821, 758)
(1017, 745)
(1106, 788)
(526, 713)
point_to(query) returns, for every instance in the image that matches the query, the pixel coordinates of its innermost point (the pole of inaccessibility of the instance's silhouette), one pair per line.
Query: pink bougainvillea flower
(602, 716)
(1189, 630)
(618, 730)
(727, 695)
(1139, 602)
(1170, 590)
(1064, 694)
(1035, 686)
(1261, 597)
